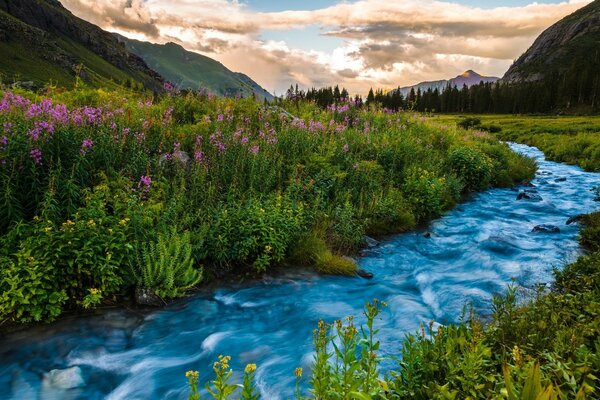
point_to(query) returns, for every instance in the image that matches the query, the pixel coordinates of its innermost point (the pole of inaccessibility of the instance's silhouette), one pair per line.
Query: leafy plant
(166, 266)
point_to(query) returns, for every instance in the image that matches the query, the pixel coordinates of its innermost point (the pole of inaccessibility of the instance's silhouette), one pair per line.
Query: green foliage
(392, 214)
(68, 264)
(166, 266)
(256, 232)
(469, 122)
(346, 230)
(248, 188)
(473, 167)
(426, 191)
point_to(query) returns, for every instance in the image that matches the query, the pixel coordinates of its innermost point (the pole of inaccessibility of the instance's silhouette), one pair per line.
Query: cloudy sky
(358, 44)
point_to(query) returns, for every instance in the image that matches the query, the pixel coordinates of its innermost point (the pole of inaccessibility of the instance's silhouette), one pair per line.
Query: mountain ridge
(191, 70)
(43, 41)
(571, 41)
(469, 78)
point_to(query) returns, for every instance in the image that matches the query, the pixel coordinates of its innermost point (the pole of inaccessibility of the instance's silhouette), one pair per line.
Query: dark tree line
(574, 87)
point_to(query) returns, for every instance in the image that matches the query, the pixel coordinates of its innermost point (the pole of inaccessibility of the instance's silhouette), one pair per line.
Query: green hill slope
(41, 41)
(191, 70)
(572, 45)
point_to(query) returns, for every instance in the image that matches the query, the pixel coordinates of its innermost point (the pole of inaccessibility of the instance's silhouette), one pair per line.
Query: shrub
(471, 166)
(469, 122)
(392, 214)
(346, 231)
(166, 266)
(58, 265)
(425, 191)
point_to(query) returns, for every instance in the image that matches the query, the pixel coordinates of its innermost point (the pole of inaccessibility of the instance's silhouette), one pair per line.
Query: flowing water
(474, 251)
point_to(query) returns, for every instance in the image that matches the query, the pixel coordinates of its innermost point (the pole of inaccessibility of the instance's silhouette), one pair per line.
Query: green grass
(574, 140)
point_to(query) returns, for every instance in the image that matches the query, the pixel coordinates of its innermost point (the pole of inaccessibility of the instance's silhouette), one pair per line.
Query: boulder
(526, 183)
(64, 379)
(528, 195)
(577, 218)
(179, 158)
(546, 229)
(369, 241)
(364, 274)
(147, 298)
(427, 235)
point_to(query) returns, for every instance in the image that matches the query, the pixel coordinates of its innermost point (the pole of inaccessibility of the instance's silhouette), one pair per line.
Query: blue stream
(474, 251)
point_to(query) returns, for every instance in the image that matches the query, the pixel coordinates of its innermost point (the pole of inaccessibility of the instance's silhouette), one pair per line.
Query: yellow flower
(250, 368)
(268, 249)
(124, 221)
(384, 386)
(47, 229)
(91, 222)
(94, 291)
(298, 372)
(192, 375)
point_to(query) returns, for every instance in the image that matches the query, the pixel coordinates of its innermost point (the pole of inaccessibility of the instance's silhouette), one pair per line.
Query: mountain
(189, 70)
(468, 78)
(41, 41)
(572, 45)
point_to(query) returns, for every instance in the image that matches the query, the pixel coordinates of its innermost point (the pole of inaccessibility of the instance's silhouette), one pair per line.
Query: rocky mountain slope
(41, 41)
(573, 43)
(189, 70)
(468, 78)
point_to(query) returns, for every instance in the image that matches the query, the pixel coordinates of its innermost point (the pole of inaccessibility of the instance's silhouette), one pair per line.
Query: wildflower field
(106, 192)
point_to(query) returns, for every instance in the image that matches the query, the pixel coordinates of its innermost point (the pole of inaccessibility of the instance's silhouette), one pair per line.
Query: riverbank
(474, 251)
(110, 194)
(539, 344)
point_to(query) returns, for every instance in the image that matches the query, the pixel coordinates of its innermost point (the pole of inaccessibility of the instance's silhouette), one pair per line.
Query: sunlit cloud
(382, 43)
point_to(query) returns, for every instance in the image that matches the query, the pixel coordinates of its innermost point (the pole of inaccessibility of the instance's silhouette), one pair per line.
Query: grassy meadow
(104, 193)
(573, 140)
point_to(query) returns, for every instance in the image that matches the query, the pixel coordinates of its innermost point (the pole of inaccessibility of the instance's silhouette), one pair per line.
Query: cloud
(383, 43)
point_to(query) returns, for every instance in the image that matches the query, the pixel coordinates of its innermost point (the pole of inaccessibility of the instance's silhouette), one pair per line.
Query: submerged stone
(369, 241)
(528, 195)
(577, 218)
(64, 378)
(364, 274)
(147, 297)
(546, 229)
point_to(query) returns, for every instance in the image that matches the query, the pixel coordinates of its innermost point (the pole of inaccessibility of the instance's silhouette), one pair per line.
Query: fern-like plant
(166, 266)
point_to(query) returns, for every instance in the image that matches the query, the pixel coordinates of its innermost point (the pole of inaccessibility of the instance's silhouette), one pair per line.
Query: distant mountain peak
(468, 78)
(469, 74)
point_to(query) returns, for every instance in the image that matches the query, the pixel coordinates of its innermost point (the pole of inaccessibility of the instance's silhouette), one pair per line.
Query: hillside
(41, 41)
(468, 78)
(190, 70)
(571, 46)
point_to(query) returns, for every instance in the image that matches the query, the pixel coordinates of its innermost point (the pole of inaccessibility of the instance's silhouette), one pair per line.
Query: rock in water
(364, 274)
(64, 378)
(369, 241)
(577, 218)
(560, 179)
(147, 297)
(427, 235)
(526, 183)
(528, 195)
(546, 229)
